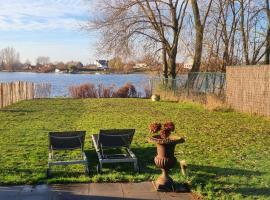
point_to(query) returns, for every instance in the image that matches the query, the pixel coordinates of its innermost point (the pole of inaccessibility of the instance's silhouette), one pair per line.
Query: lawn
(228, 153)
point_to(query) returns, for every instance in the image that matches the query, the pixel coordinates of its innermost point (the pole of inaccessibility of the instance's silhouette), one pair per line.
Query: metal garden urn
(165, 160)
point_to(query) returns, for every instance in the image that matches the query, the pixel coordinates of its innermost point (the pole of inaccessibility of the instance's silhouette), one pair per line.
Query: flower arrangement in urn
(165, 131)
(165, 158)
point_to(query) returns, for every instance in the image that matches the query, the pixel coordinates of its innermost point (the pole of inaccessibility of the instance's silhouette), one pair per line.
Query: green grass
(228, 153)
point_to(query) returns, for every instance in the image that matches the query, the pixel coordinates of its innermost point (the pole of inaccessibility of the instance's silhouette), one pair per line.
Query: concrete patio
(99, 191)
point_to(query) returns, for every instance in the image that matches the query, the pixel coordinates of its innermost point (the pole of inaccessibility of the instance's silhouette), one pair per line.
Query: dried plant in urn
(165, 159)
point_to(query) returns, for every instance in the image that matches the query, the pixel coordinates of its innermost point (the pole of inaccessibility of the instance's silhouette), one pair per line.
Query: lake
(61, 82)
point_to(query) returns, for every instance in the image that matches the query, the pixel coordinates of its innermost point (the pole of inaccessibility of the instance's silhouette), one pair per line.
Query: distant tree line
(119, 64)
(10, 61)
(216, 33)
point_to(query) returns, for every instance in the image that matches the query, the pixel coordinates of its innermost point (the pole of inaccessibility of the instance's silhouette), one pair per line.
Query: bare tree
(125, 22)
(116, 64)
(224, 37)
(43, 60)
(9, 58)
(253, 40)
(236, 33)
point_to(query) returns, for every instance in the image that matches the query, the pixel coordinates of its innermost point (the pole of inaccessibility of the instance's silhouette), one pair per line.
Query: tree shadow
(145, 157)
(247, 191)
(224, 171)
(16, 110)
(205, 174)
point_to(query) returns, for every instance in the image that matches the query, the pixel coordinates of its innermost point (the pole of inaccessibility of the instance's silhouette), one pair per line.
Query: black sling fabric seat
(70, 140)
(114, 139)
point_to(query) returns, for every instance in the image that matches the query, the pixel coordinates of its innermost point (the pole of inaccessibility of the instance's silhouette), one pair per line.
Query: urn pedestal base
(164, 183)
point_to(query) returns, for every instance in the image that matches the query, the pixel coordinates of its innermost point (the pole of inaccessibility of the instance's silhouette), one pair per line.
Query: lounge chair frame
(114, 139)
(68, 140)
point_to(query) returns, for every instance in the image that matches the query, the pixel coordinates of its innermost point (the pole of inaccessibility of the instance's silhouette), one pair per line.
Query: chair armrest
(95, 142)
(131, 153)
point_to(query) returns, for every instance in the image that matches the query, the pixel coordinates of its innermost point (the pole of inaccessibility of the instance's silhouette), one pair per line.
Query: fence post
(1, 95)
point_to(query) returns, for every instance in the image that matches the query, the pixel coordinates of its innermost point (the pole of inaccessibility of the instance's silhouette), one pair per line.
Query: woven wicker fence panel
(248, 89)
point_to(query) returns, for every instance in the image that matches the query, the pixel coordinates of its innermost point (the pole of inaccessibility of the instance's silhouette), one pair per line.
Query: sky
(47, 28)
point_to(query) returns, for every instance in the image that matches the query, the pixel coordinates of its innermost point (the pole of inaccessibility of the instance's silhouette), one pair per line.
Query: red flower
(170, 126)
(155, 127)
(165, 133)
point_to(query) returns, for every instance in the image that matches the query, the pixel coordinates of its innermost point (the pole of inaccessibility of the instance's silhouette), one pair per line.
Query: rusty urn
(165, 160)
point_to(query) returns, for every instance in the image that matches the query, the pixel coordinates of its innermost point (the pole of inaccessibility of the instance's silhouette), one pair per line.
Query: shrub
(89, 90)
(105, 92)
(86, 90)
(127, 91)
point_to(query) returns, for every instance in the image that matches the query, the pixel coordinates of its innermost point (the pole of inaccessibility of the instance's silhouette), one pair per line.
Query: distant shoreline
(87, 72)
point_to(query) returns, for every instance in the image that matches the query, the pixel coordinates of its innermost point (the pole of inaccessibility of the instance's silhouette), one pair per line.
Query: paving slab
(138, 187)
(70, 192)
(175, 196)
(10, 193)
(144, 190)
(91, 191)
(105, 191)
(38, 192)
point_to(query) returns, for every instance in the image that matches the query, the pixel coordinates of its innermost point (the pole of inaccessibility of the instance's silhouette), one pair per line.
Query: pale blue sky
(47, 28)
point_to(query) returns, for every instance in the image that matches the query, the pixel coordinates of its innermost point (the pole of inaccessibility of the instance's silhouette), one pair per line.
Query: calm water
(61, 82)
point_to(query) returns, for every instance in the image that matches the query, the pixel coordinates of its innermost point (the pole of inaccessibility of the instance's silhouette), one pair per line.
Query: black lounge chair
(114, 139)
(71, 140)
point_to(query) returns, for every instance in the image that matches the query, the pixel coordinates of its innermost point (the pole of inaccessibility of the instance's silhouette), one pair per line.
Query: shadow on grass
(223, 171)
(247, 191)
(145, 157)
(112, 172)
(16, 110)
(208, 174)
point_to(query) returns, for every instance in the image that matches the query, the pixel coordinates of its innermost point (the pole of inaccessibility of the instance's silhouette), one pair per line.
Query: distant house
(102, 64)
(188, 62)
(140, 66)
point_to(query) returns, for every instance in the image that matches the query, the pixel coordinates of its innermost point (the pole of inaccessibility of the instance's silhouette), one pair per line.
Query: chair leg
(99, 168)
(136, 167)
(48, 172)
(87, 169)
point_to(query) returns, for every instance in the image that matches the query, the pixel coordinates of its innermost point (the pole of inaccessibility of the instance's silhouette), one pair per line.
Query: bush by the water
(89, 90)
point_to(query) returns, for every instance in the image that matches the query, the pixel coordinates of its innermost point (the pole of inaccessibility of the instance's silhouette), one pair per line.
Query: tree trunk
(243, 32)
(172, 64)
(267, 53)
(225, 57)
(165, 64)
(172, 68)
(198, 49)
(199, 28)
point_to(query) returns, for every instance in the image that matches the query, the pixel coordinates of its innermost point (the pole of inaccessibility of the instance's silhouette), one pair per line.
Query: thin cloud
(42, 14)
